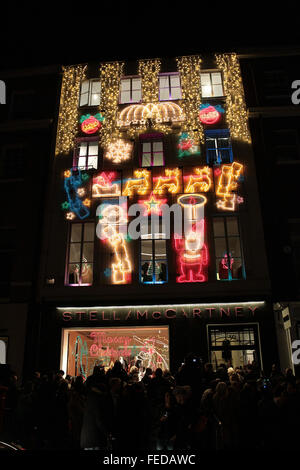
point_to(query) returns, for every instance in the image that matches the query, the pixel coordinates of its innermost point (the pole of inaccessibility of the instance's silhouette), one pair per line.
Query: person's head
(60, 373)
(115, 384)
(158, 373)
(208, 367)
(182, 394)
(221, 389)
(230, 371)
(288, 372)
(148, 371)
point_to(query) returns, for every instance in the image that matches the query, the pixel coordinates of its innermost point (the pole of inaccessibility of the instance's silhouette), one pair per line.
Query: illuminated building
(176, 140)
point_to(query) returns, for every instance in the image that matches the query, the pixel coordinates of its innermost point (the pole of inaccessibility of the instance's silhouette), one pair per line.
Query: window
(81, 254)
(211, 84)
(228, 251)
(169, 87)
(3, 349)
(90, 93)
(152, 153)
(131, 90)
(86, 154)
(218, 147)
(12, 163)
(153, 267)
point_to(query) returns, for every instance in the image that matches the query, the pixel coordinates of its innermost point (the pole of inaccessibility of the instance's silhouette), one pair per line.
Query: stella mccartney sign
(159, 312)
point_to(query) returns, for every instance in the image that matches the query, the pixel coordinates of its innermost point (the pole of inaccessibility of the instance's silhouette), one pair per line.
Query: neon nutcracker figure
(228, 182)
(191, 250)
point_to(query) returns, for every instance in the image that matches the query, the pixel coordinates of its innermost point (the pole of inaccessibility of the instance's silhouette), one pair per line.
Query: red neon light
(192, 255)
(90, 125)
(209, 115)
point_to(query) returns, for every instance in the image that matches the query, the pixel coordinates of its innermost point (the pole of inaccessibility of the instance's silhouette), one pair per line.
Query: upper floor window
(90, 93)
(80, 257)
(131, 90)
(86, 154)
(218, 146)
(169, 87)
(151, 150)
(153, 257)
(228, 251)
(211, 84)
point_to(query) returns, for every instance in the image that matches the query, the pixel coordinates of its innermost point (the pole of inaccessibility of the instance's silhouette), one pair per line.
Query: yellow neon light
(201, 181)
(141, 184)
(226, 184)
(112, 217)
(170, 182)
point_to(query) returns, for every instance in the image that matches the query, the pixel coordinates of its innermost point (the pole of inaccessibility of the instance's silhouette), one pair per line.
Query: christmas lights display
(190, 69)
(110, 77)
(73, 184)
(236, 111)
(152, 205)
(187, 146)
(118, 151)
(111, 218)
(91, 124)
(171, 182)
(227, 182)
(140, 184)
(107, 183)
(192, 252)
(210, 114)
(200, 181)
(68, 108)
(137, 114)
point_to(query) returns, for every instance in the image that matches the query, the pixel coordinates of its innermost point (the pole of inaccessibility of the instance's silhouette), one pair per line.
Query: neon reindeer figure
(199, 182)
(141, 184)
(170, 182)
(73, 184)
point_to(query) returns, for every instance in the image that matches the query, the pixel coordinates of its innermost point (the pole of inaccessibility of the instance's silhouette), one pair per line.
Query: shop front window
(234, 346)
(143, 347)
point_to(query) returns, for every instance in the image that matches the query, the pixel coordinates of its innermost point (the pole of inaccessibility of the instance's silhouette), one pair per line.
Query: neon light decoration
(229, 176)
(158, 112)
(106, 184)
(169, 183)
(191, 250)
(91, 124)
(140, 184)
(119, 151)
(187, 146)
(152, 205)
(200, 181)
(112, 217)
(73, 188)
(210, 114)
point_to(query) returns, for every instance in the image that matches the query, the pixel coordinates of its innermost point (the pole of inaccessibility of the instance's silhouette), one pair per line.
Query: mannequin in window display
(223, 266)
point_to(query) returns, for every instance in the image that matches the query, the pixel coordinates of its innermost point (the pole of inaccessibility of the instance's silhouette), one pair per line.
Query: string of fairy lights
(68, 109)
(236, 112)
(110, 76)
(189, 68)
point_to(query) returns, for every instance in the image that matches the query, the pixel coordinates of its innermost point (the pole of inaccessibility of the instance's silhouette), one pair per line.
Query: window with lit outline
(80, 256)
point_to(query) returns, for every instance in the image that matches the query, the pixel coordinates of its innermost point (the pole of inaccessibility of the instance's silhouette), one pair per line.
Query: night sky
(47, 40)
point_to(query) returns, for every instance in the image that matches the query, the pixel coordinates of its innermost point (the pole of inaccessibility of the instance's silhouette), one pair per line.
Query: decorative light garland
(236, 112)
(110, 76)
(68, 108)
(189, 69)
(149, 70)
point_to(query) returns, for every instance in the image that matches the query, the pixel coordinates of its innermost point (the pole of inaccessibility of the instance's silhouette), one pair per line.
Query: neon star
(152, 204)
(65, 205)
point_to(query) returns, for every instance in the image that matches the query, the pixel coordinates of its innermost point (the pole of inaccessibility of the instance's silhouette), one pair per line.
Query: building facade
(271, 80)
(27, 116)
(153, 244)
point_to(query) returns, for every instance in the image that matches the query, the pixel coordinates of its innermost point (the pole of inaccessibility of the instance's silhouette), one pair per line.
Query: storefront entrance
(234, 345)
(83, 348)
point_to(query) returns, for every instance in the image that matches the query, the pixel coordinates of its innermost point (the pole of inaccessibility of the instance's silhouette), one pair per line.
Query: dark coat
(97, 420)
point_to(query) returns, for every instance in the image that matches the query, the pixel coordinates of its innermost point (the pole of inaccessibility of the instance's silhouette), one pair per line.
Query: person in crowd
(117, 371)
(225, 406)
(97, 419)
(147, 376)
(76, 405)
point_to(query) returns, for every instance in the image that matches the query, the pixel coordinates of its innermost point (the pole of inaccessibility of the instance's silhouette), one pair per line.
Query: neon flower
(70, 215)
(65, 205)
(87, 202)
(81, 192)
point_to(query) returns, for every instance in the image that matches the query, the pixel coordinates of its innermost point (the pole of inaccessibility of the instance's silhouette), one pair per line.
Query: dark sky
(48, 40)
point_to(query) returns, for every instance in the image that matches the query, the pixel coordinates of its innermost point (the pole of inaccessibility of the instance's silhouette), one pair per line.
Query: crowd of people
(195, 409)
